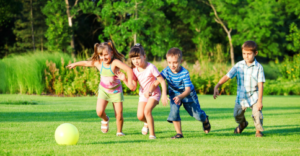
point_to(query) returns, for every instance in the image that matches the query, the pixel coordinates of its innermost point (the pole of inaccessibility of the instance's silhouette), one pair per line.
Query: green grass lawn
(28, 129)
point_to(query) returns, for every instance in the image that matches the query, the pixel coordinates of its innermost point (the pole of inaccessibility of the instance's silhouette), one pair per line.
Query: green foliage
(282, 87)
(77, 81)
(289, 68)
(29, 26)
(25, 73)
(125, 21)
(58, 32)
(294, 37)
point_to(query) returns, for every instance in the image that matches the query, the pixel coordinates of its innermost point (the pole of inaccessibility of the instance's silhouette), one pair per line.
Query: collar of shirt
(254, 63)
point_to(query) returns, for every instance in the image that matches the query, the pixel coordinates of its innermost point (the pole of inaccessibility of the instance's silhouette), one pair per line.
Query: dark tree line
(202, 28)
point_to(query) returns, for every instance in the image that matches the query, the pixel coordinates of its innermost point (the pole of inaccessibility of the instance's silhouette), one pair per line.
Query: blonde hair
(109, 46)
(136, 51)
(174, 52)
(249, 46)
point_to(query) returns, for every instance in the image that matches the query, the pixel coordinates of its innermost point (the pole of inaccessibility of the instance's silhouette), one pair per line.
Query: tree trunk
(231, 49)
(32, 33)
(218, 20)
(71, 26)
(136, 14)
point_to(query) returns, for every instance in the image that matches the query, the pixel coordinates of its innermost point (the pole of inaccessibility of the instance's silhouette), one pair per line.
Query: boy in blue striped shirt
(181, 92)
(250, 80)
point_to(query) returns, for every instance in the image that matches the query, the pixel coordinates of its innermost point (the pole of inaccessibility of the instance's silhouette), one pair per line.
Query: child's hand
(259, 106)
(216, 92)
(177, 100)
(71, 66)
(164, 100)
(147, 94)
(121, 76)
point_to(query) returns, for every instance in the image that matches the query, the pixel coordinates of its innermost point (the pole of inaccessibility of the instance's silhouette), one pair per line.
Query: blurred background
(38, 38)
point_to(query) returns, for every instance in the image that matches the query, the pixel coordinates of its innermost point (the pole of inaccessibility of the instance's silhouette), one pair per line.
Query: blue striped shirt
(247, 81)
(177, 82)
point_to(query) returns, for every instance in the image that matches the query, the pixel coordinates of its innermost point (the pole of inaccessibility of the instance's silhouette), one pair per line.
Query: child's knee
(147, 113)
(100, 113)
(141, 117)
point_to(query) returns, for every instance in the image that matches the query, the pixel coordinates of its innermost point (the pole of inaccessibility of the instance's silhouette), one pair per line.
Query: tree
(128, 22)
(29, 27)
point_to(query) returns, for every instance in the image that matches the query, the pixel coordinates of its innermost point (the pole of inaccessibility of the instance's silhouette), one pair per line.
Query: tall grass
(25, 73)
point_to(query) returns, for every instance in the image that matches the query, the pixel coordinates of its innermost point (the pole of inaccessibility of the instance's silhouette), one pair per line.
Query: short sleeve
(163, 73)
(134, 76)
(261, 75)
(232, 73)
(187, 81)
(154, 71)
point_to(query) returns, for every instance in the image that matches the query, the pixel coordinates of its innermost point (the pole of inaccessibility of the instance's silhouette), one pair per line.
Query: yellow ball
(66, 134)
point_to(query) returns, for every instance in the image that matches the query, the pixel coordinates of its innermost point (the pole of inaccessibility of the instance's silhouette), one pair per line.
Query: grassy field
(28, 123)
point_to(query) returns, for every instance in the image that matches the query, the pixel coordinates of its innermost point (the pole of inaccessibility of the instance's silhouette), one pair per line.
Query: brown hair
(136, 51)
(109, 46)
(174, 52)
(250, 46)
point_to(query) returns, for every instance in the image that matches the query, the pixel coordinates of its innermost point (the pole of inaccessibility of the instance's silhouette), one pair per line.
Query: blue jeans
(190, 104)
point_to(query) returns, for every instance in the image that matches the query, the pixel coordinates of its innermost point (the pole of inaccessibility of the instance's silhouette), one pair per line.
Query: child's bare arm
(164, 97)
(222, 81)
(129, 72)
(178, 98)
(260, 95)
(80, 63)
(123, 78)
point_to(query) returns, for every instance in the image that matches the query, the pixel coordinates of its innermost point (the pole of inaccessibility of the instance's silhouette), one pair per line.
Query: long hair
(136, 51)
(109, 46)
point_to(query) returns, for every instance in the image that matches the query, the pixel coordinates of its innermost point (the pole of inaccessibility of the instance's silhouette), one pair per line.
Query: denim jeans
(190, 104)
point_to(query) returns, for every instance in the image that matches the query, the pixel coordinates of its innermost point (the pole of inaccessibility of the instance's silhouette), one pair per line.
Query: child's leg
(100, 109)
(177, 126)
(140, 112)
(239, 115)
(118, 107)
(148, 114)
(258, 118)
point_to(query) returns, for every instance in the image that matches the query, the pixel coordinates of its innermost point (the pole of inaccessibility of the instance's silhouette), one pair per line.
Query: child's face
(106, 56)
(249, 56)
(174, 63)
(138, 61)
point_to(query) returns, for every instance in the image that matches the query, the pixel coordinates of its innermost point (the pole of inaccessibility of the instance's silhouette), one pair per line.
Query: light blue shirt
(248, 78)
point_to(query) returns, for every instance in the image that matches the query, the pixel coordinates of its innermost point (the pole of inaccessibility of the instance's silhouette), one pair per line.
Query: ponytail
(96, 55)
(116, 54)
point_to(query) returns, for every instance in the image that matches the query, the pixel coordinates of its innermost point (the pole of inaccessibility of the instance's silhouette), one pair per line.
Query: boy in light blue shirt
(250, 79)
(181, 92)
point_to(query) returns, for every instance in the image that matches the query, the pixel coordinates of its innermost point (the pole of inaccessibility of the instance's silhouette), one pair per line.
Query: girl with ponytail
(108, 61)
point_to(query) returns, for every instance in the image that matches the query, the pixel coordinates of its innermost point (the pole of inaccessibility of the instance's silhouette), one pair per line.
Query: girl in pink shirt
(146, 74)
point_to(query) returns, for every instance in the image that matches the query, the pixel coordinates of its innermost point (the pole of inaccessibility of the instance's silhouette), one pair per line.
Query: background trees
(204, 29)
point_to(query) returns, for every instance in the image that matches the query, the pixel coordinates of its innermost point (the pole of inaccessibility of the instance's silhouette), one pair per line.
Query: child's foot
(152, 137)
(239, 129)
(206, 126)
(177, 136)
(104, 126)
(120, 134)
(145, 129)
(259, 134)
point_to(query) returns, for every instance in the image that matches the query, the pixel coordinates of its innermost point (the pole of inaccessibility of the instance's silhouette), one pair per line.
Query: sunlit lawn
(29, 129)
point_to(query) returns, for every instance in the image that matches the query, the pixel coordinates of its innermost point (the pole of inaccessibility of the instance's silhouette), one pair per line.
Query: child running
(250, 81)
(108, 61)
(146, 73)
(181, 92)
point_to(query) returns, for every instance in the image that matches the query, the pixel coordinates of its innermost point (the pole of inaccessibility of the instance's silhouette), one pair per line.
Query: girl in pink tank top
(146, 74)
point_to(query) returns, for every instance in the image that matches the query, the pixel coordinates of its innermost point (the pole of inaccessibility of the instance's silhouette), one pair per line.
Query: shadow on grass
(116, 142)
